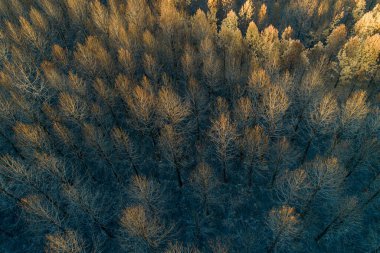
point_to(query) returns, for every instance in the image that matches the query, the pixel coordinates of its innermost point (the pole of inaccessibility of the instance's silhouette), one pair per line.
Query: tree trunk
(337, 82)
(250, 172)
(135, 169)
(179, 178)
(306, 151)
(225, 180)
(327, 228)
(353, 167)
(274, 243)
(275, 173)
(309, 201)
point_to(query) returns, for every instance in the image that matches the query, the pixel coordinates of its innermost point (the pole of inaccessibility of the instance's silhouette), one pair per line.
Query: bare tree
(223, 134)
(150, 230)
(282, 156)
(354, 113)
(179, 248)
(99, 16)
(142, 104)
(91, 204)
(30, 137)
(72, 107)
(171, 145)
(66, 242)
(321, 120)
(244, 112)
(126, 148)
(199, 105)
(42, 211)
(254, 147)
(325, 176)
(346, 213)
(212, 65)
(172, 109)
(93, 57)
(290, 187)
(147, 193)
(204, 183)
(78, 11)
(275, 104)
(120, 117)
(284, 224)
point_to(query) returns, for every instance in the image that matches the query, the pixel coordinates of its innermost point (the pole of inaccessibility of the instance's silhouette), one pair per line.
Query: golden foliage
(336, 39)
(125, 145)
(246, 11)
(104, 91)
(123, 87)
(262, 15)
(369, 23)
(358, 58)
(287, 33)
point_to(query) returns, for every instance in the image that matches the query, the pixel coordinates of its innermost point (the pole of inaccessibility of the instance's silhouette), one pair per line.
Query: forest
(189, 126)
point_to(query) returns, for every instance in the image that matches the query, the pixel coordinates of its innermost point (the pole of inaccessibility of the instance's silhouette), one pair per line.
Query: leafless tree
(284, 224)
(223, 134)
(172, 109)
(171, 145)
(204, 183)
(275, 104)
(126, 148)
(147, 193)
(136, 222)
(66, 242)
(254, 147)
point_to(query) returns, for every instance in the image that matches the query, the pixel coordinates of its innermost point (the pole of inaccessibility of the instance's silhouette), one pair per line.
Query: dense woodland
(183, 126)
